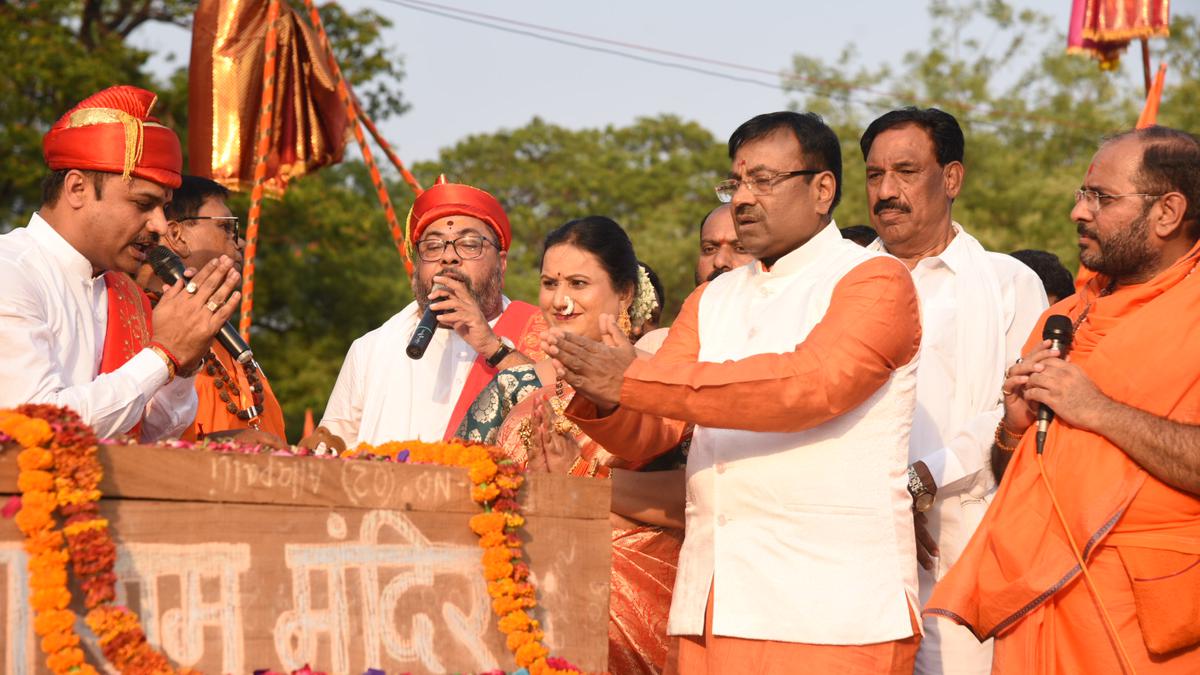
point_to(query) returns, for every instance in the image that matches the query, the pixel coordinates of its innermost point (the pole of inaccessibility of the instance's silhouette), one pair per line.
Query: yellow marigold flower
(513, 520)
(86, 526)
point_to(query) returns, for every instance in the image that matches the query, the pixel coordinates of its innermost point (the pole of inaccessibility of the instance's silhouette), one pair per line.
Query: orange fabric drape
(1138, 346)
(212, 414)
(1103, 29)
(226, 85)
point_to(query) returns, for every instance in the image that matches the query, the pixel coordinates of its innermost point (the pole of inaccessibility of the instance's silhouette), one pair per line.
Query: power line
(854, 93)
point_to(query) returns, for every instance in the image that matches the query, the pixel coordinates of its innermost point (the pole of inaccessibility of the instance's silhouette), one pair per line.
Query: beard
(1125, 253)
(486, 293)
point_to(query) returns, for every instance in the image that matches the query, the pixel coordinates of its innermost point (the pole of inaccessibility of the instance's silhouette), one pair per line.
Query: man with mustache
(798, 371)
(1114, 485)
(459, 236)
(235, 399)
(977, 308)
(75, 330)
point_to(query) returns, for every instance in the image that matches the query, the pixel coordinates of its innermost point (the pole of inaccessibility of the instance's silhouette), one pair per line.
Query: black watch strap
(495, 359)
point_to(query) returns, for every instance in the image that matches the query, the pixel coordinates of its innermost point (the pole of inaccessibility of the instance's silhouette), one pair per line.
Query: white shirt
(804, 536)
(53, 319)
(382, 395)
(957, 447)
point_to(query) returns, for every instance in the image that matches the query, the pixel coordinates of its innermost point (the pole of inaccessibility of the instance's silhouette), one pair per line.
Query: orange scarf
(1140, 346)
(522, 323)
(128, 328)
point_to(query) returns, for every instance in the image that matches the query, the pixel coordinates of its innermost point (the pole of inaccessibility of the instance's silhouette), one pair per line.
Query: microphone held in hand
(170, 268)
(1059, 332)
(422, 336)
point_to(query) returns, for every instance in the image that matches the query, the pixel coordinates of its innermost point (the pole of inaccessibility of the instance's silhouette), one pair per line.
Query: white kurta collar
(810, 251)
(71, 260)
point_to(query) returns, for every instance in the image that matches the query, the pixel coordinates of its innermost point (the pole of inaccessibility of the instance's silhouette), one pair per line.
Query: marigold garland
(495, 482)
(60, 472)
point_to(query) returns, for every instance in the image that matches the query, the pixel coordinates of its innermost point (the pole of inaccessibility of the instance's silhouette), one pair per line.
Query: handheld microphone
(170, 268)
(1058, 330)
(422, 336)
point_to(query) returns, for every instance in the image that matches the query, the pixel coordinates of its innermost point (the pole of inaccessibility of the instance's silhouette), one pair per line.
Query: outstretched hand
(595, 369)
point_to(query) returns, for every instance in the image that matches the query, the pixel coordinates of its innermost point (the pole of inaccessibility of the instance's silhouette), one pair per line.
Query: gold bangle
(162, 354)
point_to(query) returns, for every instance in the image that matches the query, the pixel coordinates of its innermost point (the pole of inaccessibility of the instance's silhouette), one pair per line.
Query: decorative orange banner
(1103, 29)
(226, 89)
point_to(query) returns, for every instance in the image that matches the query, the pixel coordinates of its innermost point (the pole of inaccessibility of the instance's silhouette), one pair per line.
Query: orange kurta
(862, 338)
(868, 331)
(212, 414)
(1018, 580)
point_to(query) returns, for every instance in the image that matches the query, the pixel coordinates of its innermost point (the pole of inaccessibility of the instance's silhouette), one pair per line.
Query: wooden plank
(343, 578)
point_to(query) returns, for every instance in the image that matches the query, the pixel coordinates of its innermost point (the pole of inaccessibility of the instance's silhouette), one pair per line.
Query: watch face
(923, 502)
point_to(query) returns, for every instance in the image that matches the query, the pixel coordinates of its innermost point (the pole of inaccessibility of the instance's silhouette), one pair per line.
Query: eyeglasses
(1096, 200)
(760, 185)
(469, 247)
(227, 223)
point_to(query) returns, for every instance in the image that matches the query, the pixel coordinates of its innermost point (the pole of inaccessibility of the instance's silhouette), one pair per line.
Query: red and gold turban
(455, 199)
(113, 131)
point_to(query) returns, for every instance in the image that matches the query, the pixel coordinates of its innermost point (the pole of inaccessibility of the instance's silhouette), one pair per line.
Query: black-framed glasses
(760, 185)
(228, 223)
(469, 247)
(1096, 200)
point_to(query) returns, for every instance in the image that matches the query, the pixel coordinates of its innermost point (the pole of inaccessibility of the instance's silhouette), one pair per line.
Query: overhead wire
(853, 93)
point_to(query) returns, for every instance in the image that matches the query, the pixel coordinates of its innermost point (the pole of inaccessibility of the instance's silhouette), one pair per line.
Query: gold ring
(1006, 392)
(213, 306)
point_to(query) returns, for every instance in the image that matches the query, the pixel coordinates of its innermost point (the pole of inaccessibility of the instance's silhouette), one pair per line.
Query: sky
(464, 78)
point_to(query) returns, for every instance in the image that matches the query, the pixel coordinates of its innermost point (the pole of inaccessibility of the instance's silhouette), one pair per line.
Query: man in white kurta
(798, 371)
(459, 237)
(53, 317)
(977, 309)
(74, 329)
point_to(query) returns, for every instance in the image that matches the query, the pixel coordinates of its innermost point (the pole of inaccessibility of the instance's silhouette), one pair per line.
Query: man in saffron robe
(460, 235)
(1120, 470)
(799, 551)
(235, 399)
(75, 330)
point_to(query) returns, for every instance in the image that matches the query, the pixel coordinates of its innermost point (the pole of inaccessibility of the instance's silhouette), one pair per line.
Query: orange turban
(113, 131)
(455, 199)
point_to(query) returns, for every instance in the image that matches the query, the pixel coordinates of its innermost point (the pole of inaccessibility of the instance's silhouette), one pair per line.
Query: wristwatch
(506, 348)
(921, 494)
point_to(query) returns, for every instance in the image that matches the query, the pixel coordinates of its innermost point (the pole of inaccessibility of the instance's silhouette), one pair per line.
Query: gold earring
(624, 323)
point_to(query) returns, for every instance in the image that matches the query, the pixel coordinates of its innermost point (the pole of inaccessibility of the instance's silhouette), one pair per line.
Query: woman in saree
(589, 270)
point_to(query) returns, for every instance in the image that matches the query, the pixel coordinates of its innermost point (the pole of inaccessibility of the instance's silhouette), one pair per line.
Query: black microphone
(422, 336)
(1058, 330)
(170, 268)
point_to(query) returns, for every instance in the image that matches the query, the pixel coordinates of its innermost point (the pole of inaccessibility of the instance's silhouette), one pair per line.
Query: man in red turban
(75, 331)
(458, 237)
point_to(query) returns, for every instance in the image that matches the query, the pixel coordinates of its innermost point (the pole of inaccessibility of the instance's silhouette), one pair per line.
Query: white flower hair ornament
(644, 299)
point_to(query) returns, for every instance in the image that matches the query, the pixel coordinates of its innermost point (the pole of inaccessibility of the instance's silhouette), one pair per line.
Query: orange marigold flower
(493, 572)
(35, 458)
(490, 539)
(497, 555)
(501, 587)
(514, 621)
(58, 640)
(485, 493)
(481, 471)
(43, 599)
(30, 432)
(65, 660)
(530, 652)
(53, 621)
(482, 523)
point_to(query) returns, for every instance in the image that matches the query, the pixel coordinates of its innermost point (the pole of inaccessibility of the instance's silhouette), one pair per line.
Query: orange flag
(309, 427)
(1149, 116)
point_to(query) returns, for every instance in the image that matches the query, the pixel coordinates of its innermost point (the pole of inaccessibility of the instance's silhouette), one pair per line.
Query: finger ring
(213, 306)
(1006, 392)
(1020, 359)
(191, 287)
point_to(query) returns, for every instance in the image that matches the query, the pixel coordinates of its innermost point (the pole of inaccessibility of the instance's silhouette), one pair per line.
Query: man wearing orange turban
(458, 236)
(75, 330)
